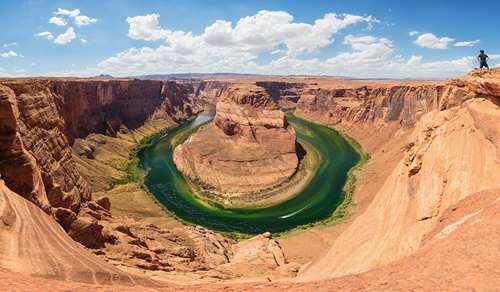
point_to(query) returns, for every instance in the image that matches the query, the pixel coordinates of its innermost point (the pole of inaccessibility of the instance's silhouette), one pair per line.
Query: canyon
(425, 212)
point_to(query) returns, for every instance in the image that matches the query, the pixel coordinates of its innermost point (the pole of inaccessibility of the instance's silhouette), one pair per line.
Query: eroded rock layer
(249, 146)
(431, 225)
(452, 153)
(41, 119)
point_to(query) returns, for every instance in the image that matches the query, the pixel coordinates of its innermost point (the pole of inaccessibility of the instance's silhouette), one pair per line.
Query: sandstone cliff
(249, 146)
(452, 153)
(33, 243)
(41, 119)
(432, 225)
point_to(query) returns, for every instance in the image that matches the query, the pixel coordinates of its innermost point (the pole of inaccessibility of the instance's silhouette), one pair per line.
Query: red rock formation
(400, 103)
(41, 118)
(433, 225)
(249, 147)
(452, 153)
(34, 244)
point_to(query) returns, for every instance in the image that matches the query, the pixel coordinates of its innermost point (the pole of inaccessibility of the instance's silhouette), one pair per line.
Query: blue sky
(366, 38)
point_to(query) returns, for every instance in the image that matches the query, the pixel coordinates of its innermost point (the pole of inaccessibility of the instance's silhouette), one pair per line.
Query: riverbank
(113, 171)
(306, 169)
(316, 203)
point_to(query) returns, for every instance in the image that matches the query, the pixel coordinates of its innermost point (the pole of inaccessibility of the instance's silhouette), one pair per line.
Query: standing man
(483, 58)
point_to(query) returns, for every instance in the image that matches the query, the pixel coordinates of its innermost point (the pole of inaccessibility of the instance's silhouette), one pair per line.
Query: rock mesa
(249, 147)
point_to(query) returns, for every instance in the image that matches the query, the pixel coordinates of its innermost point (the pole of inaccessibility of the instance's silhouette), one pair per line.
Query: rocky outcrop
(42, 118)
(34, 244)
(249, 146)
(284, 93)
(404, 104)
(36, 157)
(451, 154)
(17, 166)
(210, 90)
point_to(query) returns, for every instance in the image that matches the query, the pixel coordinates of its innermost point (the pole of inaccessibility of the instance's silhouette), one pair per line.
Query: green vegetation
(133, 173)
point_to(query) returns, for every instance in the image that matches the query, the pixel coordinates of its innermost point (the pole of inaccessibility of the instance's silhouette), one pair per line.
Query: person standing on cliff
(483, 58)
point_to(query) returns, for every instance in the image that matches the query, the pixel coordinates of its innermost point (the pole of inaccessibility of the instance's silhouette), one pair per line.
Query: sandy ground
(127, 200)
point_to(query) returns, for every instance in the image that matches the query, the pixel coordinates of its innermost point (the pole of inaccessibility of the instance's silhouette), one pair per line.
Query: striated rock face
(39, 121)
(451, 154)
(249, 146)
(210, 90)
(41, 118)
(36, 158)
(401, 103)
(285, 93)
(33, 243)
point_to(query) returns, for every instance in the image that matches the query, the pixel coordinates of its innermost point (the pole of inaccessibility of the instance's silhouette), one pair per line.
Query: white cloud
(146, 27)
(61, 15)
(13, 44)
(66, 37)
(413, 33)
(431, 41)
(46, 34)
(57, 21)
(80, 20)
(70, 13)
(227, 47)
(267, 29)
(9, 54)
(83, 40)
(466, 43)
(224, 47)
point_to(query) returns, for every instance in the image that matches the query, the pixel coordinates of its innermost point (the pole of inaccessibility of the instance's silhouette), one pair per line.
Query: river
(316, 202)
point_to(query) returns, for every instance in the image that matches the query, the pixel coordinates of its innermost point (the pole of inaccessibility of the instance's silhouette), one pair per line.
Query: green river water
(314, 203)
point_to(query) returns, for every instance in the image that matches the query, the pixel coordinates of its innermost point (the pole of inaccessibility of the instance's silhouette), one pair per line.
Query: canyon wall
(404, 104)
(41, 118)
(452, 153)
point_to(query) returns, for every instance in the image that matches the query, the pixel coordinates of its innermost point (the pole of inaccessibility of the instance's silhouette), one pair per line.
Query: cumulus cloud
(46, 34)
(70, 13)
(60, 18)
(431, 41)
(413, 33)
(146, 27)
(80, 20)
(254, 34)
(9, 54)
(224, 46)
(466, 43)
(267, 29)
(57, 21)
(83, 40)
(66, 37)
